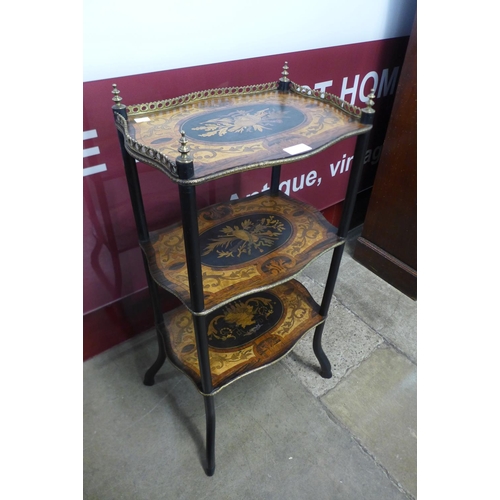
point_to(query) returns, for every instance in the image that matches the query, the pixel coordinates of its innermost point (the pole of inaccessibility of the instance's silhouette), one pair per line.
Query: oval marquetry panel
(244, 320)
(244, 123)
(243, 239)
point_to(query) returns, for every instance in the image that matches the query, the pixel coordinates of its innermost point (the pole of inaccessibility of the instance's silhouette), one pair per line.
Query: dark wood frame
(388, 243)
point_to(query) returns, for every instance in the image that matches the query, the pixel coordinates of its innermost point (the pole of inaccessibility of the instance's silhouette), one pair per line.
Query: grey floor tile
(346, 340)
(377, 402)
(275, 440)
(390, 312)
(387, 310)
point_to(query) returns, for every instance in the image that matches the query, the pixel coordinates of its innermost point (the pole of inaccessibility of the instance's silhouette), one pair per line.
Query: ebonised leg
(149, 377)
(345, 222)
(161, 334)
(210, 416)
(275, 179)
(326, 367)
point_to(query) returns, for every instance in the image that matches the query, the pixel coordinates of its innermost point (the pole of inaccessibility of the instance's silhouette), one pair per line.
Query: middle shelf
(247, 245)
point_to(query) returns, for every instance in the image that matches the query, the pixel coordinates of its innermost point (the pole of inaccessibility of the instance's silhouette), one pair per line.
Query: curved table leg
(161, 333)
(326, 367)
(149, 377)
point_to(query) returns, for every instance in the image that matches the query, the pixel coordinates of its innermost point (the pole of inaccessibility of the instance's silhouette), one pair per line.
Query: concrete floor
(283, 432)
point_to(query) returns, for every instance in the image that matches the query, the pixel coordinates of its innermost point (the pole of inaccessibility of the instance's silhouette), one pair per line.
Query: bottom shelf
(244, 335)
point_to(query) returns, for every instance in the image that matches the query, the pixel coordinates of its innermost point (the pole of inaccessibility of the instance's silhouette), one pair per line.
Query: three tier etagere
(233, 264)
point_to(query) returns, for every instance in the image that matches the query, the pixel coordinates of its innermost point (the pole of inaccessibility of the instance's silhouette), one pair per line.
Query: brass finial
(370, 102)
(285, 73)
(116, 96)
(184, 150)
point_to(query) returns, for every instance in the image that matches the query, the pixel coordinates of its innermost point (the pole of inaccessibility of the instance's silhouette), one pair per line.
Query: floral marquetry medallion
(245, 123)
(244, 320)
(243, 239)
(253, 243)
(246, 334)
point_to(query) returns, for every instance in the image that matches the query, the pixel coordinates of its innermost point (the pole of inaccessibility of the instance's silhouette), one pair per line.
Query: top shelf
(236, 129)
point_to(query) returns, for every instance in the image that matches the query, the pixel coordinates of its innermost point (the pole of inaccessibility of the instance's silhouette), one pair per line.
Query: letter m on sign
(388, 85)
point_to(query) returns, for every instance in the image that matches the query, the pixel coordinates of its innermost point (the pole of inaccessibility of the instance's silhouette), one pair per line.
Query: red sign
(112, 262)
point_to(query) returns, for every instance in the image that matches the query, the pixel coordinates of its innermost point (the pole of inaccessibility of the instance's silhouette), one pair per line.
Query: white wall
(140, 36)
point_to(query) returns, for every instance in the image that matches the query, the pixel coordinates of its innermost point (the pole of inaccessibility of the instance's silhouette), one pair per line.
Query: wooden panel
(246, 334)
(389, 238)
(385, 265)
(230, 133)
(250, 244)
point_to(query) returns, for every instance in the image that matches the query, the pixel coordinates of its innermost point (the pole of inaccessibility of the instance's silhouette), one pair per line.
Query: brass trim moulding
(167, 164)
(145, 153)
(326, 98)
(140, 109)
